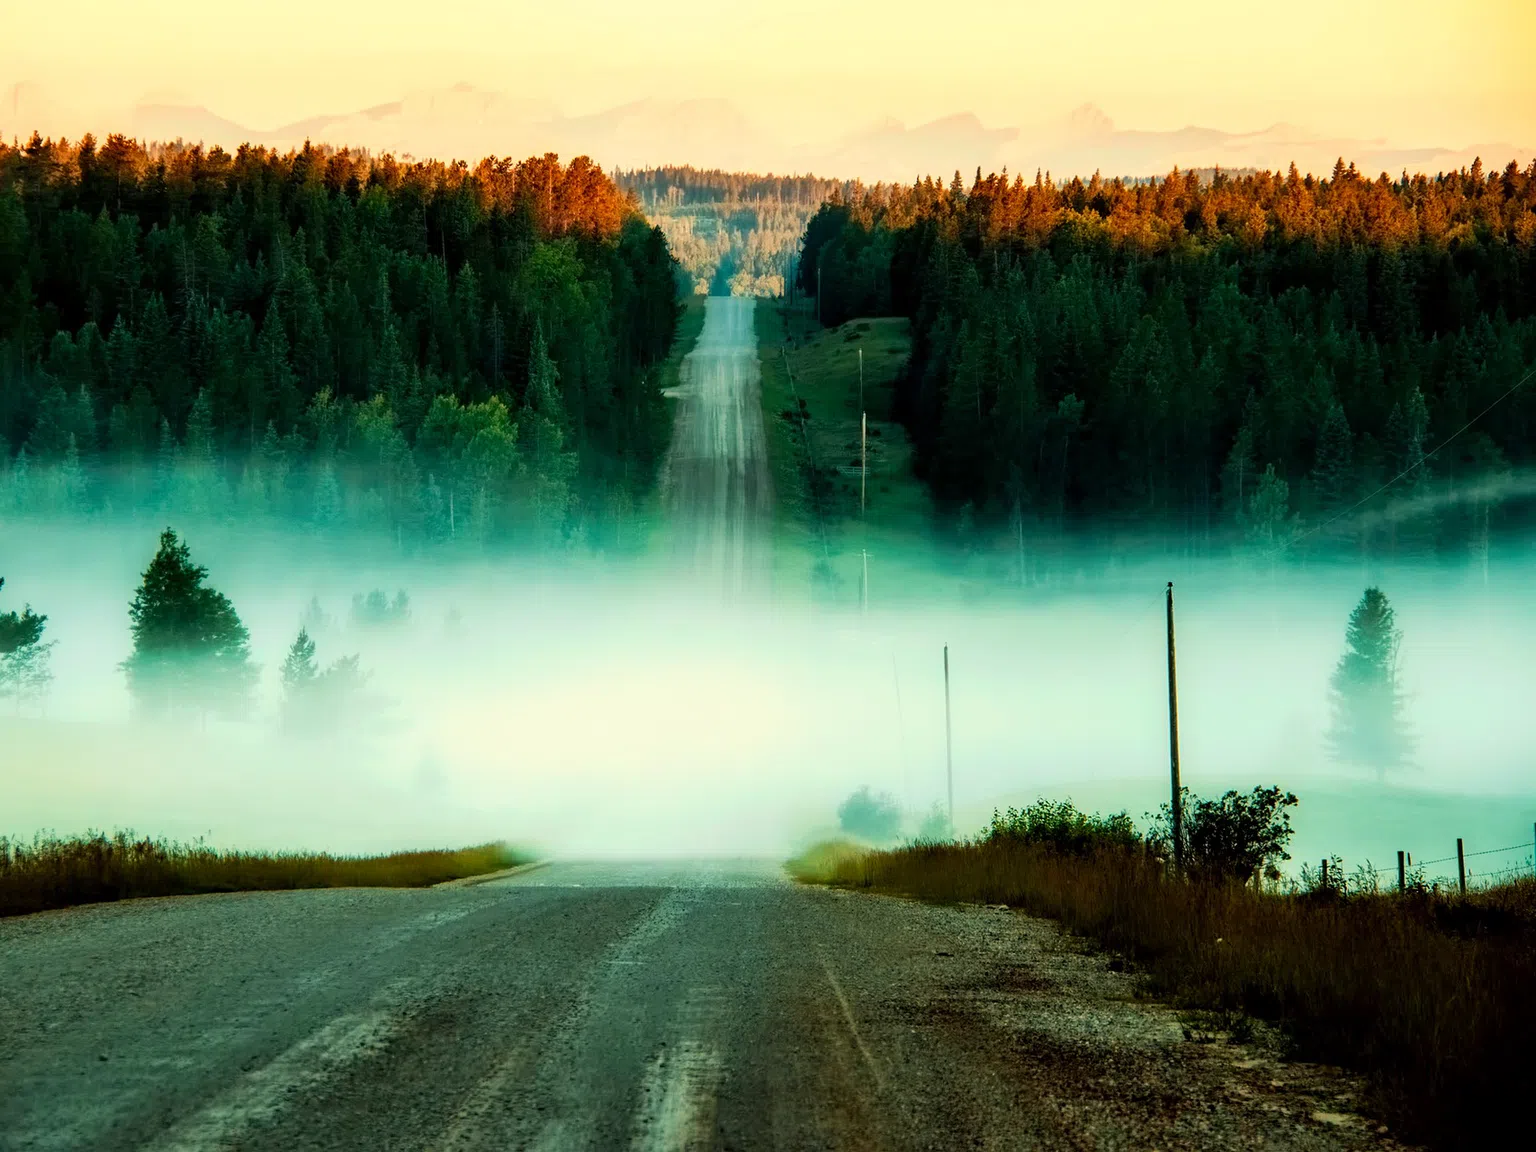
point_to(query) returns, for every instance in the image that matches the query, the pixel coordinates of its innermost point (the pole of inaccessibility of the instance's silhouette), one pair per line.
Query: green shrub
(1232, 838)
(1058, 825)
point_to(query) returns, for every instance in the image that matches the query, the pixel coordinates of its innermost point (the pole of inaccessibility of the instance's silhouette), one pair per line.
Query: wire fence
(1410, 872)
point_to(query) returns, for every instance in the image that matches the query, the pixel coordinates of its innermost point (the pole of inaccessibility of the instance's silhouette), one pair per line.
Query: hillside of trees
(1236, 356)
(431, 349)
(733, 233)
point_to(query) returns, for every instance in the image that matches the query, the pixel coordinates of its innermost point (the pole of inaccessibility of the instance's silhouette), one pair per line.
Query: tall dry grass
(1433, 997)
(57, 872)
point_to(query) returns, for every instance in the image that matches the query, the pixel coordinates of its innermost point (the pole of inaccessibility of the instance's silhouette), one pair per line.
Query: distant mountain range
(464, 122)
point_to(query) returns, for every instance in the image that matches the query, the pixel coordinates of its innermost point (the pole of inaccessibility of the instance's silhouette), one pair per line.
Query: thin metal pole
(1173, 743)
(949, 747)
(861, 379)
(864, 554)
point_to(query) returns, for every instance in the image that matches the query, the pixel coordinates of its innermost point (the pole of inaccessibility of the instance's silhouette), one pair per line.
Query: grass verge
(54, 872)
(690, 323)
(812, 401)
(1431, 996)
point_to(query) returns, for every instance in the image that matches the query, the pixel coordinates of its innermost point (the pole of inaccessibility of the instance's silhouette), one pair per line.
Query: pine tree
(1332, 468)
(50, 432)
(1407, 427)
(327, 496)
(1268, 518)
(19, 629)
(21, 481)
(1368, 724)
(24, 657)
(314, 699)
(1238, 475)
(190, 649)
(299, 667)
(71, 479)
(167, 462)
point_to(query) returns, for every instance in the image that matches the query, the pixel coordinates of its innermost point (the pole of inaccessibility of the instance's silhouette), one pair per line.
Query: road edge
(486, 877)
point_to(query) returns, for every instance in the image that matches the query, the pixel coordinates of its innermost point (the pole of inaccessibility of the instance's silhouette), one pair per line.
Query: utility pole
(863, 459)
(949, 747)
(1173, 743)
(901, 729)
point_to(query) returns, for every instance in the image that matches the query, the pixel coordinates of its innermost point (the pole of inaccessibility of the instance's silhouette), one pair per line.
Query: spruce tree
(1332, 468)
(1237, 475)
(1406, 430)
(190, 650)
(299, 667)
(316, 699)
(1268, 520)
(1368, 727)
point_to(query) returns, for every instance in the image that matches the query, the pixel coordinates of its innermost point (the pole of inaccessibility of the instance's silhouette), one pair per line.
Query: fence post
(1461, 866)
(1325, 873)
(1402, 876)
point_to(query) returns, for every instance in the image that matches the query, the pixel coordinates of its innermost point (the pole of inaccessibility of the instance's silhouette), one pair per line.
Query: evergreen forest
(1237, 356)
(428, 349)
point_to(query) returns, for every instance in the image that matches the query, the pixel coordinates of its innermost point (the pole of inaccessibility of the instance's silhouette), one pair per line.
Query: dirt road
(716, 476)
(609, 1006)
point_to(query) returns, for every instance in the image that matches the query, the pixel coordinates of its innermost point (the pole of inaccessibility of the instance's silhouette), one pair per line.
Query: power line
(1419, 463)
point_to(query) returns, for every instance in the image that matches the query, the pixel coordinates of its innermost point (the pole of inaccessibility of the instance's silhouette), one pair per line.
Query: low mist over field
(589, 705)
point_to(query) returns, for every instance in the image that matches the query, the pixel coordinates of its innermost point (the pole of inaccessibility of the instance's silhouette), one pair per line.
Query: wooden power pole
(1173, 742)
(863, 459)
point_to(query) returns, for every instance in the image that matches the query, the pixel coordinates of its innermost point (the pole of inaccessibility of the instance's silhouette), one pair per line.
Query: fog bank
(589, 707)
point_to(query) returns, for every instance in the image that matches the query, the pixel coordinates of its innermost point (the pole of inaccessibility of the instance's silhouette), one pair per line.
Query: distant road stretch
(607, 1006)
(717, 487)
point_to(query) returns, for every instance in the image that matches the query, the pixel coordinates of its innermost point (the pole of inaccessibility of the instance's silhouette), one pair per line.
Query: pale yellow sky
(1448, 72)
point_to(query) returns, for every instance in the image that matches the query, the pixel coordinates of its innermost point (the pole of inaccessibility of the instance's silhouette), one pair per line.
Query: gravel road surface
(716, 476)
(664, 1006)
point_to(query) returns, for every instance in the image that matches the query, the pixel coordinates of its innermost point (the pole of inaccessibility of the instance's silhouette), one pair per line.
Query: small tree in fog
(1368, 724)
(24, 657)
(299, 667)
(316, 699)
(316, 619)
(935, 828)
(190, 649)
(875, 818)
(1268, 520)
(377, 610)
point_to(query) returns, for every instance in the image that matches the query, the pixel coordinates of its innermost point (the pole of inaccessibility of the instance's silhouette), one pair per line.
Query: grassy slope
(58, 873)
(803, 362)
